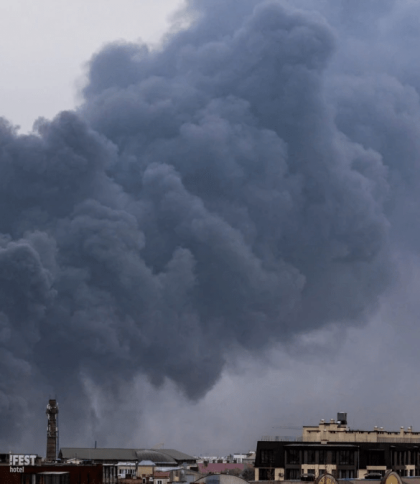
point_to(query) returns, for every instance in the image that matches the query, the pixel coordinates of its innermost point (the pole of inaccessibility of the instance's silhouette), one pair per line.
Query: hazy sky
(220, 236)
(44, 47)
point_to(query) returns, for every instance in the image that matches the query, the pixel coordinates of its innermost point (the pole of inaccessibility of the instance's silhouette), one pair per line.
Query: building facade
(50, 474)
(138, 464)
(334, 448)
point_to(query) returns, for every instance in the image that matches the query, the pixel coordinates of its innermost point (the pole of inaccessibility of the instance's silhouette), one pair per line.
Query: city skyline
(221, 235)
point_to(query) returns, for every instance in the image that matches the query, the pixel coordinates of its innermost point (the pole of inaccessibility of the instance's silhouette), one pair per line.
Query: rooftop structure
(338, 431)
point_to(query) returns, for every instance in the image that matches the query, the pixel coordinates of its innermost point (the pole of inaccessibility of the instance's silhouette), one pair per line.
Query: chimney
(52, 430)
(342, 418)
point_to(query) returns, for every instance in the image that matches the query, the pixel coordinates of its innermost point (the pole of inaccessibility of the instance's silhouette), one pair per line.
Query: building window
(292, 474)
(293, 456)
(28, 478)
(346, 474)
(267, 457)
(46, 478)
(333, 457)
(311, 456)
(266, 475)
(322, 457)
(346, 457)
(376, 458)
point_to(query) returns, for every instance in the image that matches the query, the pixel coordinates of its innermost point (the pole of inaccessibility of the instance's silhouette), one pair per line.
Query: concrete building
(338, 431)
(334, 448)
(161, 477)
(184, 475)
(211, 459)
(126, 470)
(145, 471)
(248, 458)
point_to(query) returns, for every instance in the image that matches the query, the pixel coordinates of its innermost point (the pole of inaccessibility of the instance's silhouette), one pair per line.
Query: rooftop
(162, 456)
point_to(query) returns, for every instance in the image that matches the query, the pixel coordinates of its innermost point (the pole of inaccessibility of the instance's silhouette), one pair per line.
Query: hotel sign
(18, 461)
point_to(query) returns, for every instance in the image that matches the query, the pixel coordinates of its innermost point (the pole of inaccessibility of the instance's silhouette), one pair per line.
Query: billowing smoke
(230, 191)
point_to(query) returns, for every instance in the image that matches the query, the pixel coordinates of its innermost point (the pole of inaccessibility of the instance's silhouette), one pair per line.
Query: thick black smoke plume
(232, 190)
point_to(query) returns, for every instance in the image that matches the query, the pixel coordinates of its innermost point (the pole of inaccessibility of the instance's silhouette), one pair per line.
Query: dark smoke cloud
(231, 191)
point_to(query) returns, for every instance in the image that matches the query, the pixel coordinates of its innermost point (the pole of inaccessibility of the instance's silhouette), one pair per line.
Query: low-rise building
(211, 459)
(50, 474)
(126, 470)
(117, 464)
(221, 468)
(161, 457)
(184, 475)
(248, 458)
(145, 470)
(161, 477)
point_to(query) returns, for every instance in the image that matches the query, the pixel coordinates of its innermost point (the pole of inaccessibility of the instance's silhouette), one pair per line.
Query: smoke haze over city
(223, 236)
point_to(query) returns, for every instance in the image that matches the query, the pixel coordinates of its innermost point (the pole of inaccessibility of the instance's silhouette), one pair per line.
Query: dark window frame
(293, 456)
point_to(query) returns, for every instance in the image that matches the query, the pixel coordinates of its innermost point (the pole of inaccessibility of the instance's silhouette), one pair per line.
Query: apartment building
(332, 447)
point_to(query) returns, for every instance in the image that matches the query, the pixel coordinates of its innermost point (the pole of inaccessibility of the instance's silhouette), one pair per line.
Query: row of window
(297, 457)
(407, 473)
(63, 478)
(127, 472)
(296, 474)
(407, 457)
(340, 457)
(109, 471)
(292, 474)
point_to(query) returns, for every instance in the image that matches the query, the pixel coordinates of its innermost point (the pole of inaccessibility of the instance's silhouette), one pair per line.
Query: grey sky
(45, 45)
(223, 237)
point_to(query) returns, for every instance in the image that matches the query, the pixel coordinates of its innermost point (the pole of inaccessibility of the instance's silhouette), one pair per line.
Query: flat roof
(161, 456)
(306, 444)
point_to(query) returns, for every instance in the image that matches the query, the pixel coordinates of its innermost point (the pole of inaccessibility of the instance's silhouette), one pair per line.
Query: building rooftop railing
(399, 440)
(391, 439)
(279, 438)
